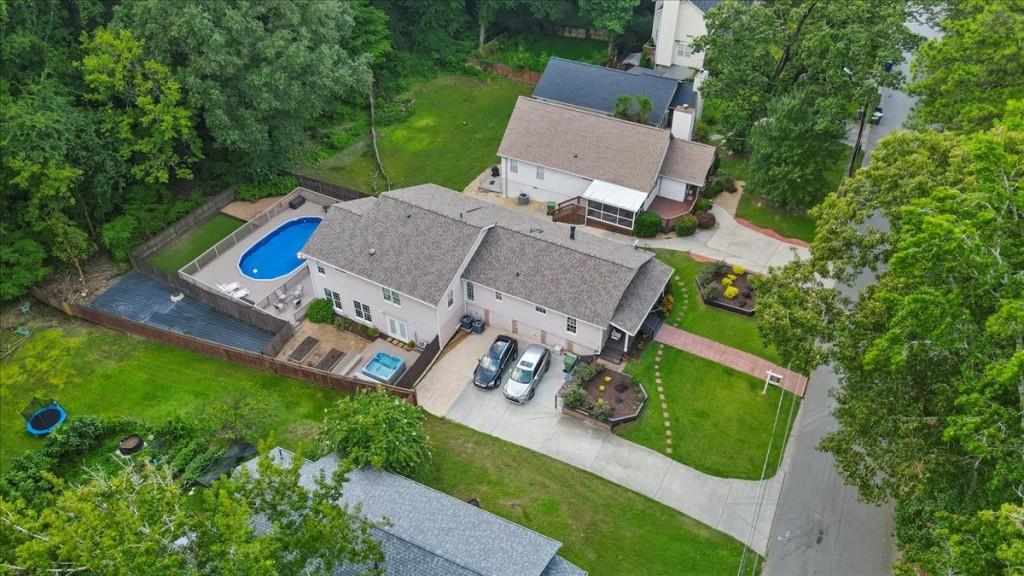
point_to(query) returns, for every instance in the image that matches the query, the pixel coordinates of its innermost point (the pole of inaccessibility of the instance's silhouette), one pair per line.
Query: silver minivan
(527, 374)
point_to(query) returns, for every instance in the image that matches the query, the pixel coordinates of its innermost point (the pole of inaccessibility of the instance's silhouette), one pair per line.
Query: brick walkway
(731, 357)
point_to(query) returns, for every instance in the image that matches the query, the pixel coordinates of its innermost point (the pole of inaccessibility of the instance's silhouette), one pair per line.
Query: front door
(398, 329)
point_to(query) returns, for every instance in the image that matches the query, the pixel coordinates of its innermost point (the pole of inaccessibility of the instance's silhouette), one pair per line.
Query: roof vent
(373, 251)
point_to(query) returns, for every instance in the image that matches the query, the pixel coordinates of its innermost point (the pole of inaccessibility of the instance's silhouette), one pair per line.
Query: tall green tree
(758, 52)
(486, 12)
(965, 76)
(142, 106)
(931, 357)
(256, 73)
(138, 522)
(794, 148)
(610, 15)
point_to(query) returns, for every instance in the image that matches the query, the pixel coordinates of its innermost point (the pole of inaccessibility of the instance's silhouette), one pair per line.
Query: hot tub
(384, 368)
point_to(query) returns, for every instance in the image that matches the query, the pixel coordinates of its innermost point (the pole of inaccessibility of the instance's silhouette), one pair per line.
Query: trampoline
(42, 416)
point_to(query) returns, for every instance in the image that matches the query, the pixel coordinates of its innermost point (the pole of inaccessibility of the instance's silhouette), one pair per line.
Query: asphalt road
(821, 527)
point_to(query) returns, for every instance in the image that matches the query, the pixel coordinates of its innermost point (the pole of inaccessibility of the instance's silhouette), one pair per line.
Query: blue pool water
(384, 367)
(276, 254)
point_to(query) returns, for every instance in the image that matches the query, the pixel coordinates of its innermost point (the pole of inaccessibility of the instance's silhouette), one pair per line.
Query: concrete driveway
(731, 506)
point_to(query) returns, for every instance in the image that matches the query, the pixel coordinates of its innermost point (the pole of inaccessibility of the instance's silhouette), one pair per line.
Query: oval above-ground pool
(276, 254)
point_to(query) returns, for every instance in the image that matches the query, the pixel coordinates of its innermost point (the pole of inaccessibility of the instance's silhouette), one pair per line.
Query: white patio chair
(240, 293)
(229, 288)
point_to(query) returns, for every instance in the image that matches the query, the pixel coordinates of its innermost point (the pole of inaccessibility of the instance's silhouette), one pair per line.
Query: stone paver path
(731, 357)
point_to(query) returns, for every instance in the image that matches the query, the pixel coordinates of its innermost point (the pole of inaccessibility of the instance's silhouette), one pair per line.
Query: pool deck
(224, 269)
(380, 345)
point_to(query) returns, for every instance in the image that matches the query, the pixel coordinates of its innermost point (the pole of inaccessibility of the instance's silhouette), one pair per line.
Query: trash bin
(551, 208)
(568, 362)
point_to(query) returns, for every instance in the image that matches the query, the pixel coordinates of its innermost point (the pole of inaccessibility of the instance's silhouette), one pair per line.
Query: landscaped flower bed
(604, 395)
(727, 287)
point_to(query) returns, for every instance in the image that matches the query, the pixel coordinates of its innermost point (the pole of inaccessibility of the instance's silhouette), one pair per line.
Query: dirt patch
(101, 272)
(244, 210)
(329, 337)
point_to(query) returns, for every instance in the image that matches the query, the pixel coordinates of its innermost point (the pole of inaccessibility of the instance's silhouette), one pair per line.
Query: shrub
(198, 464)
(377, 429)
(686, 225)
(647, 225)
(703, 204)
(120, 235)
(710, 291)
(25, 478)
(576, 398)
(667, 304)
(705, 220)
(738, 270)
(726, 281)
(75, 437)
(319, 311)
(732, 292)
(394, 111)
(372, 332)
(714, 189)
(584, 371)
(274, 186)
(601, 410)
(719, 268)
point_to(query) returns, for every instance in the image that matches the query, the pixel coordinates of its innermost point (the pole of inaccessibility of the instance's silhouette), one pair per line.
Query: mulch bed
(620, 393)
(303, 349)
(330, 360)
(744, 302)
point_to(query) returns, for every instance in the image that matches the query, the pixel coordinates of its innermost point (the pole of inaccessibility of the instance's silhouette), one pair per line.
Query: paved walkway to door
(731, 357)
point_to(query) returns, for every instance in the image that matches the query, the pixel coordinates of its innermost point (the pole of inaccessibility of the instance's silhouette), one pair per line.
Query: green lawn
(692, 315)
(606, 529)
(721, 423)
(195, 243)
(580, 49)
(451, 137)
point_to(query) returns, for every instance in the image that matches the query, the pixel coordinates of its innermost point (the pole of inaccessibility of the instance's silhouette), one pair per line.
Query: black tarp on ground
(226, 462)
(137, 297)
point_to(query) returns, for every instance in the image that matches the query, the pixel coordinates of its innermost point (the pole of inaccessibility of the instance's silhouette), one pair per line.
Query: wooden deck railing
(572, 211)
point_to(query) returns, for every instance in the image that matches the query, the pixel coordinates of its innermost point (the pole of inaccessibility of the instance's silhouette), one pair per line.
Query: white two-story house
(601, 170)
(677, 25)
(412, 262)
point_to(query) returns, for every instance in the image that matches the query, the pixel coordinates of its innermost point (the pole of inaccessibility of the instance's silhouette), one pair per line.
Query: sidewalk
(731, 357)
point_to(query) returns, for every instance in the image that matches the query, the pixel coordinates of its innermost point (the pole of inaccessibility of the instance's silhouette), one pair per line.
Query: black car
(498, 357)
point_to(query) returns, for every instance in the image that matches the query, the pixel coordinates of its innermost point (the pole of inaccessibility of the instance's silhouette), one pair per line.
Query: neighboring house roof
(584, 143)
(644, 290)
(705, 5)
(688, 161)
(520, 255)
(428, 533)
(597, 87)
(409, 249)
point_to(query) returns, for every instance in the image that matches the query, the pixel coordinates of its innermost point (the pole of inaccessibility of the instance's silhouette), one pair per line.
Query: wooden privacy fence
(186, 223)
(413, 373)
(327, 189)
(258, 361)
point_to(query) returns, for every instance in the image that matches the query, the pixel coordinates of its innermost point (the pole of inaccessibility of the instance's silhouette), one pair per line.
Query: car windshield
(489, 363)
(523, 373)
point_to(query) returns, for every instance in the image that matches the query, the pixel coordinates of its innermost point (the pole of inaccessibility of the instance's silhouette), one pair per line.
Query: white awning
(618, 196)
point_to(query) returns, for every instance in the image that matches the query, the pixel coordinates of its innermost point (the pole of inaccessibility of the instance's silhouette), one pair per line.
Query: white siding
(676, 22)
(557, 186)
(500, 313)
(420, 318)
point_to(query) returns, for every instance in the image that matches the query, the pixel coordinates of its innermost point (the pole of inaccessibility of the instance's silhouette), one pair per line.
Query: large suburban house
(424, 532)
(600, 170)
(597, 88)
(677, 24)
(413, 262)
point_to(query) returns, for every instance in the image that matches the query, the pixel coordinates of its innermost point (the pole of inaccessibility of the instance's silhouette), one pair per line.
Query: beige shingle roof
(688, 161)
(585, 143)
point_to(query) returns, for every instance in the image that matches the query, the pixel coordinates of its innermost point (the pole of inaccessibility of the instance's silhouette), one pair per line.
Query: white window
(540, 172)
(334, 298)
(362, 311)
(570, 324)
(513, 166)
(451, 298)
(391, 296)
(497, 295)
(320, 269)
(469, 291)
(684, 50)
(541, 309)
